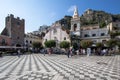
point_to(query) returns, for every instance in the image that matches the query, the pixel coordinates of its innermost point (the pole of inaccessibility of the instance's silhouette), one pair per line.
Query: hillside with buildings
(91, 17)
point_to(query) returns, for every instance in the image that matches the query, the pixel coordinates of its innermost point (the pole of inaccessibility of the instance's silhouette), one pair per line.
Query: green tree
(118, 44)
(102, 24)
(112, 34)
(50, 43)
(85, 43)
(75, 46)
(64, 44)
(37, 44)
(99, 45)
(111, 43)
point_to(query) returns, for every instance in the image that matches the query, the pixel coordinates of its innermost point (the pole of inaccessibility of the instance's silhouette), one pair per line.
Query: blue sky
(46, 12)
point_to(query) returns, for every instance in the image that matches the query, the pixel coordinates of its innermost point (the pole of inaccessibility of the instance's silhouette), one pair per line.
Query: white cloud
(71, 9)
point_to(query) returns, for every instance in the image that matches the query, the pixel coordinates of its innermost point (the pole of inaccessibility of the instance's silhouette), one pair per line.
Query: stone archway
(18, 45)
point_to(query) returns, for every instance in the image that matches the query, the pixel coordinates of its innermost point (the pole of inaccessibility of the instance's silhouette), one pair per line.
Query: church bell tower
(75, 23)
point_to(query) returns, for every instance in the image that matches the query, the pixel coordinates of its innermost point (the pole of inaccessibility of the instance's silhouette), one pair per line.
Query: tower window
(64, 38)
(30, 42)
(18, 23)
(75, 27)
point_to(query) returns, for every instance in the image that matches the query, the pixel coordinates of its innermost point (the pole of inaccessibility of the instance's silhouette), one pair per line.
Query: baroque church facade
(57, 33)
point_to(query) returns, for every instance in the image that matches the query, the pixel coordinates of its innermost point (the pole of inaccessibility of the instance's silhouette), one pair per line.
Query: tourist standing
(94, 51)
(49, 51)
(78, 52)
(83, 51)
(88, 51)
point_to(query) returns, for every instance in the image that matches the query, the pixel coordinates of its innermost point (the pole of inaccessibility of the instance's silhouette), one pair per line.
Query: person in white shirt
(88, 51)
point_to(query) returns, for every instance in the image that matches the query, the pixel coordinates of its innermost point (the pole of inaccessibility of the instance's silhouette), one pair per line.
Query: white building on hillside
(90, 32)
(77, 32)
(30, 38)
(95, 34)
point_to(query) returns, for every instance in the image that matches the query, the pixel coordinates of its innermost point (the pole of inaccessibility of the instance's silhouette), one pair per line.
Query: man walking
(45, 52)
(18, 53)
(68, 52)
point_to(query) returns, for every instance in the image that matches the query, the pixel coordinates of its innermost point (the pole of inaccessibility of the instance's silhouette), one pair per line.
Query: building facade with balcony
(91, 32)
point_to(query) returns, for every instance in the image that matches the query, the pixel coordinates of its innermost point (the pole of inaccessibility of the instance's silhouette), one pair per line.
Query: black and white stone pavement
(59, 67)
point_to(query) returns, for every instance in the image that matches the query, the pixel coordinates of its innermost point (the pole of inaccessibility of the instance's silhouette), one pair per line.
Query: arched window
(18, 23)
(18, 45)
(30, 42)
(64, 38)
(75, 27)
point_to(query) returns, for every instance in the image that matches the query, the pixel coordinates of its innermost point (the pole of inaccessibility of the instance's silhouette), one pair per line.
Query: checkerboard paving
(59, 67)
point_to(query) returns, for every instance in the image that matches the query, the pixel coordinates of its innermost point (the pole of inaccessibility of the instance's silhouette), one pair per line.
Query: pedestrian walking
(0, 54)
(18, 53)
(72, 51)
(45, 52)
(68, 53)
(78, 52)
